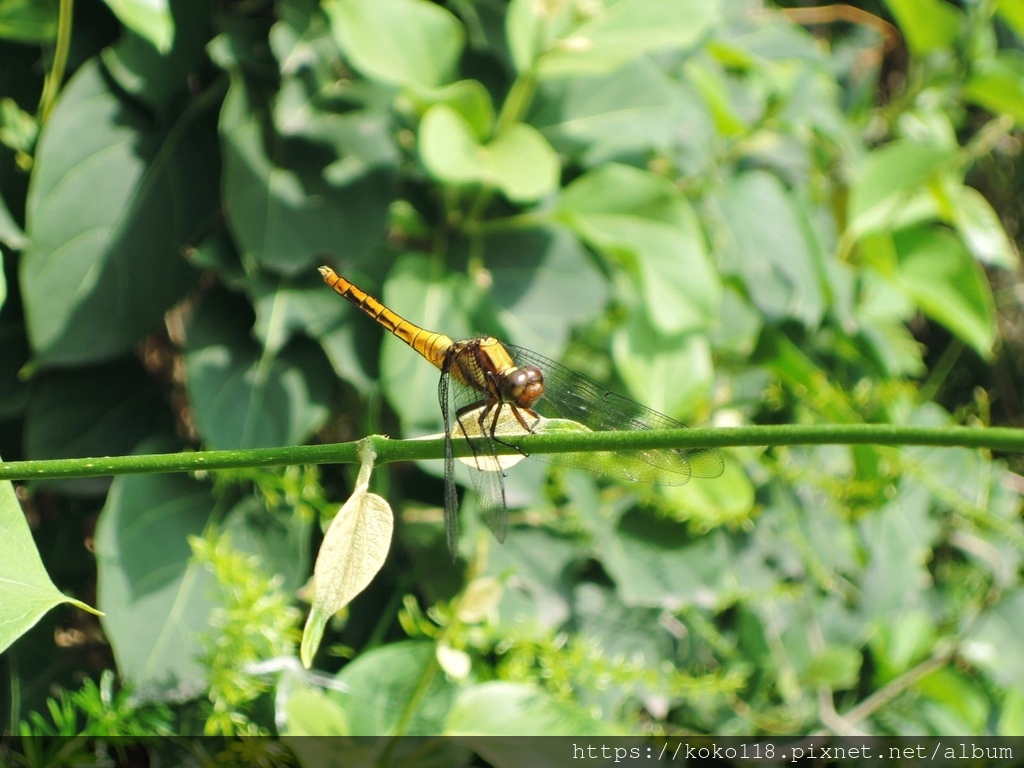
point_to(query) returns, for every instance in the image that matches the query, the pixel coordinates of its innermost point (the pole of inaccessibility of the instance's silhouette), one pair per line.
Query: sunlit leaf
(28, 21)
(981, 229)
(835, 667)
(150, 19)
(628, 212)
(518, 161)
(311, 712)
(403, 42)
(1013, 13)
(603, 38)
(927, 24)
(997, 643)
(892, 186)
(515, 709)
(998, 85)
(10, 233)
(354, 548)
(947, 284)
(381, 685)
(26, 592)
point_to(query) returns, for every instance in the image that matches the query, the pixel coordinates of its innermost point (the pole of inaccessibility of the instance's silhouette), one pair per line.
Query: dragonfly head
(523, 386)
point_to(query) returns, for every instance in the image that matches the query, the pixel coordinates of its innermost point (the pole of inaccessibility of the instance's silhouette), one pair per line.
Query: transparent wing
(466, 414)
(572, 396)
(451, 498)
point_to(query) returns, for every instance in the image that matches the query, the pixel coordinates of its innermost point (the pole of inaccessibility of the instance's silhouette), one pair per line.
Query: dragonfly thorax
(522, 386)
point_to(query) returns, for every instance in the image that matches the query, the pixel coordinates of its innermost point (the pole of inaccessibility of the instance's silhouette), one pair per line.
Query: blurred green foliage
(731, 215)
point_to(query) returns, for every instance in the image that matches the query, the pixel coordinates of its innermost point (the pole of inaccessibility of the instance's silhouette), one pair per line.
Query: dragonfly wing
(451, 498)
(475, 419)
(490, 493)
(572, 396)
(465, 414)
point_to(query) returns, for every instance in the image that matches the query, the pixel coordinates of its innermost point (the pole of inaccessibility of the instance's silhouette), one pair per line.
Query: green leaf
(712, 84)
(14, 389)
(468, 98)
(634, 109)
(998, 85)
(726, 501)
(402, 42)
(768, 250)
(671, 374)
(979, 226)
(898, 540)
(522, 164)
(336, 325)
(515, 709)
(156, 60)
(311, 712)
(155, 597)
(108, 214)
(10, 233)
(506, 709)
(997, 643)
(97, 411)
(601, 39)
(150, 19)
(902, 641)
(1011, 718)
(158, 597)
(391, 684)
(244, 397)
(522, 32)
(518, 161)
(953, 702)
(450, 150)
(26, 592)
(539, 557)
(1012, 12)
(893, 186)
(353, 551)
(282, 205)
(927, 25)
(28, 21)
(643, 219)
(836, 666)
(410, 381)
(286, 309)
(656, 563)
(535, 272)
(947, 284)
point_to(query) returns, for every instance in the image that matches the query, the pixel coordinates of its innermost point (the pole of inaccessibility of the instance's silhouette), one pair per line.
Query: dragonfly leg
(484, 406)
(494, 422)
(519, 417)
(518, 413)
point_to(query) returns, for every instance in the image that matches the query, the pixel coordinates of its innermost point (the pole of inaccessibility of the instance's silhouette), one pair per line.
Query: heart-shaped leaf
(26, 592)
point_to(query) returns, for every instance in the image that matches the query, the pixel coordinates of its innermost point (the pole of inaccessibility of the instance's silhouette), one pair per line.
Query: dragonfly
(490, 391)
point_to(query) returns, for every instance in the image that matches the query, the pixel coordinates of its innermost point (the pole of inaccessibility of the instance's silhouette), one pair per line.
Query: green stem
(54, 78)
(992, 438)
(517, 102)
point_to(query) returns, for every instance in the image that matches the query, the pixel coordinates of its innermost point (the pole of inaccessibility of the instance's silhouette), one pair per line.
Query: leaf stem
(387, 450)
(54, 78)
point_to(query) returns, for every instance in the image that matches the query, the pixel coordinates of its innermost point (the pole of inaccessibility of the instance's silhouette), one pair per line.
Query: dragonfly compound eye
(524, 386)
